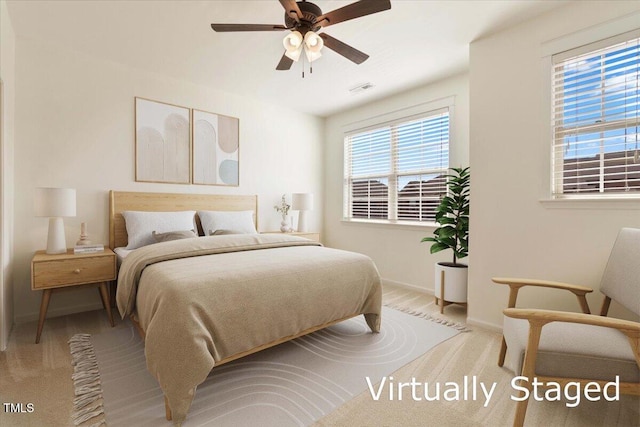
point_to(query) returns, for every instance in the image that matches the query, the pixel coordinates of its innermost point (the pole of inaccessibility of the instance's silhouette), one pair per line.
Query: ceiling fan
(304, 19)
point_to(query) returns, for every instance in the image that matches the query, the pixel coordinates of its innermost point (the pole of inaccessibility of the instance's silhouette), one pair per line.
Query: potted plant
(453, 216)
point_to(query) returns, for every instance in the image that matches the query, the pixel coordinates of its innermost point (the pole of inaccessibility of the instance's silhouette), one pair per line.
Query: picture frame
(162, 142)
(215, 149)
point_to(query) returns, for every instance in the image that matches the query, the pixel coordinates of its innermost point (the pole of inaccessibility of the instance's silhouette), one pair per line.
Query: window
(596, 111)
(396, 172)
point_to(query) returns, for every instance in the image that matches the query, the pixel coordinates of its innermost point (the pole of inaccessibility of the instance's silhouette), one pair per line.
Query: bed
(203, 301)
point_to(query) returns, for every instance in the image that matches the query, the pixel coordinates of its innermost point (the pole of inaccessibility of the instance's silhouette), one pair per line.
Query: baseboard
(64, 311)
(407, 286)
(484, 325)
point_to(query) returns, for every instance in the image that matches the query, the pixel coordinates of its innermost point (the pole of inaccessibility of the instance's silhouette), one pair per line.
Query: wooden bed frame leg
(167, 409)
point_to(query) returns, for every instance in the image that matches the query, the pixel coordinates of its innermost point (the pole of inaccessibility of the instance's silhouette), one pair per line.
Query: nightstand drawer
(65, 272)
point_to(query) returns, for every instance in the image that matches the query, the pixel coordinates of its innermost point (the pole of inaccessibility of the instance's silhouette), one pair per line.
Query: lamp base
(56, 243)
(302, 221)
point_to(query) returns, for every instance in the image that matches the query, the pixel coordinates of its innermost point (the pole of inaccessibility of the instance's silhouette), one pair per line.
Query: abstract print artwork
(162, 142)
(216, 143)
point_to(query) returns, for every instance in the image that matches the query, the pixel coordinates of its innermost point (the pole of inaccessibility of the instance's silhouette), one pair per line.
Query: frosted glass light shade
(293, 45)
(312, 56)
(302, 202)
(55, 203)
(292, 40)
(294, 55)
(313, 44)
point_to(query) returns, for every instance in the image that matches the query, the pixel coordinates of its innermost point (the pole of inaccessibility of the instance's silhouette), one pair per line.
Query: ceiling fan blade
(291, 8)
(344, 49)
(353, 10)
(285, 63)
(222, 28)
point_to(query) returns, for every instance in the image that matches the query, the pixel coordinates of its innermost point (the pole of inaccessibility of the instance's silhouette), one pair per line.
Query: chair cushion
(573, 350)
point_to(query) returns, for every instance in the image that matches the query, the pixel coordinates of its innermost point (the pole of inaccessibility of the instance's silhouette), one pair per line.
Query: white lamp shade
(55, 202)
(293, 40)
(312, 56)
(294, 55)
(302, 201)
(293, 45)
(313, 42)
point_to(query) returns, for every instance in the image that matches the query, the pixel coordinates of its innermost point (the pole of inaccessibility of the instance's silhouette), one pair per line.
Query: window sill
(387, 224)
(615, 203)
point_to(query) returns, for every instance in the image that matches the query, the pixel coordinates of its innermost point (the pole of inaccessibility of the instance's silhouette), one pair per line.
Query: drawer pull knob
(77, 271)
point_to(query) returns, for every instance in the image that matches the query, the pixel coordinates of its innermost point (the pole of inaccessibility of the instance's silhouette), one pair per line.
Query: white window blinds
(595, 95)
(395, 172)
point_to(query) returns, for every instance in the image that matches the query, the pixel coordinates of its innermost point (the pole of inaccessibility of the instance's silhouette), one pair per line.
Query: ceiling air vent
(361, 88)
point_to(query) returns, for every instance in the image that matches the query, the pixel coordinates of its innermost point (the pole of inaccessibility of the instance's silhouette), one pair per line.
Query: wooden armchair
(578, 347)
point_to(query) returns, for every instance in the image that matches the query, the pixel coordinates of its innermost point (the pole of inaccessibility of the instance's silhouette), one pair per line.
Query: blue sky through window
(596, 98)
(599, 90)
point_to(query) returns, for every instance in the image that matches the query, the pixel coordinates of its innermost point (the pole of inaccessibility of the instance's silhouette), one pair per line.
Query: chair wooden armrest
(538, 316)
(516, 283)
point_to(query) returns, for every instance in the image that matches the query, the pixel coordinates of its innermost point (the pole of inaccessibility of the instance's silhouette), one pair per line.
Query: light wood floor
(41, 375)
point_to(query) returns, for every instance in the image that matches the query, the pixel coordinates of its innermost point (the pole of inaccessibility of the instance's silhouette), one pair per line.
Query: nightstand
(51, 273)
(306, 234)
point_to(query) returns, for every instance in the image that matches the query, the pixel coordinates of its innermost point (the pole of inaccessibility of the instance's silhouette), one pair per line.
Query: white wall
(396, 250)
(75, 128)
(7, 76)
(512, 233)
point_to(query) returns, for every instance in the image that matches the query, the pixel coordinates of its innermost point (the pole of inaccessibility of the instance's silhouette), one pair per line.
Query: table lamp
(302, 202)
(55, 203)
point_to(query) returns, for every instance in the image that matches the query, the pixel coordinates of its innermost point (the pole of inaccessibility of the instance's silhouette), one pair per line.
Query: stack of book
(88, 249)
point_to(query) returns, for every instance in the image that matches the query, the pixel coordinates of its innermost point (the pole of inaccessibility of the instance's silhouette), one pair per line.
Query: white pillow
(141, 225)
(239, 222)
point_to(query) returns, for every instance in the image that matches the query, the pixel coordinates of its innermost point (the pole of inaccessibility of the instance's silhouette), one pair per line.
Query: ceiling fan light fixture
(294, 55)
(303, 18)
(292, 41)
(312, 56)
(313, 42)
(293, 45)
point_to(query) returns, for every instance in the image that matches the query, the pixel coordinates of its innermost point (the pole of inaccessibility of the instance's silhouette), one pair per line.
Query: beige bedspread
(205, 299)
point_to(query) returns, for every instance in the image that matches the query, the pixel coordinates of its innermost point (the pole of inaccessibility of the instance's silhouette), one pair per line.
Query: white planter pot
(455, 282)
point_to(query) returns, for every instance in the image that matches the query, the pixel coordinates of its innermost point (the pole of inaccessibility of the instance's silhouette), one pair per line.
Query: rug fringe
(87, 404)
(459, 326)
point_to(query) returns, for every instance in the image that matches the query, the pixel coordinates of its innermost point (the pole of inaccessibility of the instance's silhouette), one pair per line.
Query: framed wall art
(216, 147)
(162, 142)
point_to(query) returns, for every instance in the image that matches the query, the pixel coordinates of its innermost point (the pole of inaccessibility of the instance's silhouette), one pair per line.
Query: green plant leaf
(452, 213)
(437, 247)
(449, 241)
(446, 220)
(447, 231)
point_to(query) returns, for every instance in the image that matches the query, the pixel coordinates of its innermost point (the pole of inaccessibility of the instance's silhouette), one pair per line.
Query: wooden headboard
(120, 201)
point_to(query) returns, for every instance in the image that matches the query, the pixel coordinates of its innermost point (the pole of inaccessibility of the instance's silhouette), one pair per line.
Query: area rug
(292, 384)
